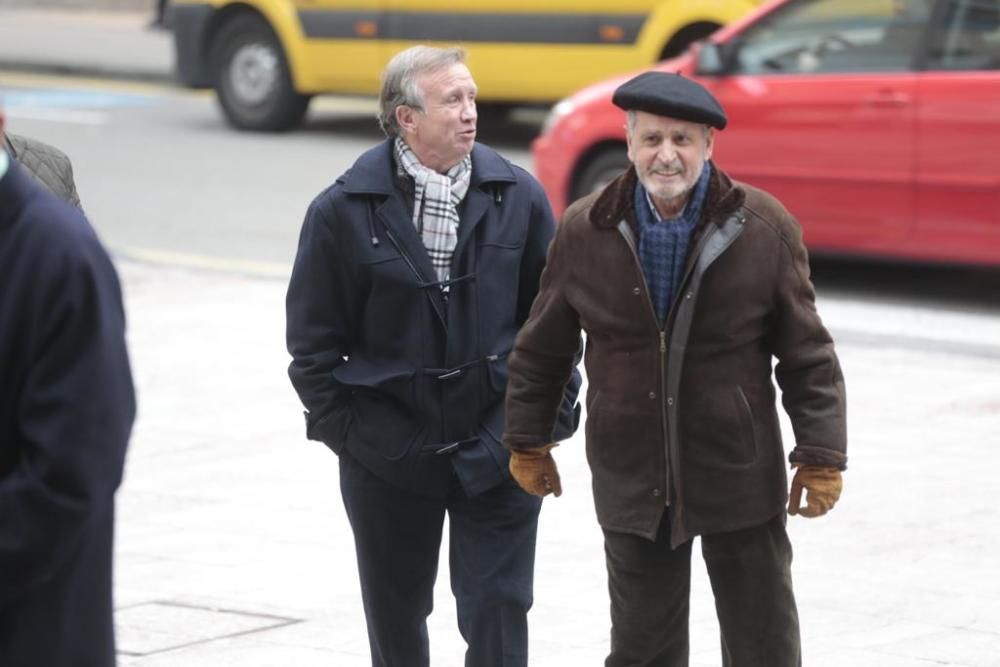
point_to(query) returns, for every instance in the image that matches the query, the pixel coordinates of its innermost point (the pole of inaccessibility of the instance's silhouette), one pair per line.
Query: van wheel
(598, 170)
(252, 81)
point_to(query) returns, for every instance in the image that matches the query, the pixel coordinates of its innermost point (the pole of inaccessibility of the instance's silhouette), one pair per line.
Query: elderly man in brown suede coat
(703, 283)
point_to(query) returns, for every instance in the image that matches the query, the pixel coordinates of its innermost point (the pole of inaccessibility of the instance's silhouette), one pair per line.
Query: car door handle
(888, 99)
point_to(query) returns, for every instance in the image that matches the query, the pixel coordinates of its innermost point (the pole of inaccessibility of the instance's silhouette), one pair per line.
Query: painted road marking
(73, 99)
(70, 116)
(246, 267)
(10, 81)
(65, 105)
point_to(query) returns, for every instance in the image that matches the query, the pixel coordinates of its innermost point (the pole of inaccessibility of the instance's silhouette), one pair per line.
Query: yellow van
(267, 58)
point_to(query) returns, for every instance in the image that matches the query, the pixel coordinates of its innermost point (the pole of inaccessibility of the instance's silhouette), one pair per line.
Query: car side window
(968, 36)
(817, 36)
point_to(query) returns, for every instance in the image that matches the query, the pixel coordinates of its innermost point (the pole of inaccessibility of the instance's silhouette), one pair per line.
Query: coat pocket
(383, 425)
(385, 416)
(496, 372)
(745, 451)
(719, 430)
(331, 429)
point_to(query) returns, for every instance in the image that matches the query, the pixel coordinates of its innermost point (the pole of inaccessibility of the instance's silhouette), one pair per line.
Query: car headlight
(561, 109)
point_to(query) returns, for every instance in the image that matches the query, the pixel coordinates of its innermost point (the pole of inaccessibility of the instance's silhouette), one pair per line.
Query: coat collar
(615, 202)
(374, 172)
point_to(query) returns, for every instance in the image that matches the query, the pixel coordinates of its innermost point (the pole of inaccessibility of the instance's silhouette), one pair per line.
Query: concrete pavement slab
(225, 505)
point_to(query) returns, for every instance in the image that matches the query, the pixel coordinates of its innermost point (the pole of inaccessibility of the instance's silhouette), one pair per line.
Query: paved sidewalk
(233, 548)
(101, 43)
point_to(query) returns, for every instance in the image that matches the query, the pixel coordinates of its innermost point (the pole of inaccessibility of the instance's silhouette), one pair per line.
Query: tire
(598, 170)
(251, 77)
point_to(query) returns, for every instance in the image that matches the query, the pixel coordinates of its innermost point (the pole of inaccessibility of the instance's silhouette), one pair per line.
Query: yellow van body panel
(519, 50)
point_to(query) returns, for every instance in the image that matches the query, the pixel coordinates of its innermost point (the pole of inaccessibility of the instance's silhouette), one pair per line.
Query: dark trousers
(397, 536)
(750, 572)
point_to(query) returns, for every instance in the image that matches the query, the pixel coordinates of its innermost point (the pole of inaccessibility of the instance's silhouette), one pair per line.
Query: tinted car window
(968, 37)
(817, 36)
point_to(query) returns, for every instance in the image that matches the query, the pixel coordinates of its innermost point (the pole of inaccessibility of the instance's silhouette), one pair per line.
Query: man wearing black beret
(703, 282)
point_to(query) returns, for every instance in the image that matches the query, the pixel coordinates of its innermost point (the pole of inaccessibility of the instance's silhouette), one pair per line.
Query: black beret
(670, 95)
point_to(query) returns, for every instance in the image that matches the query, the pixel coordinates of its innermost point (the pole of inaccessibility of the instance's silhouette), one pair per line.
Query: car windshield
(816, 36)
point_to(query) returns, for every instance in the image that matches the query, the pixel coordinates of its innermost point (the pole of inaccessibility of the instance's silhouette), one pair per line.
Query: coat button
(636, 291)
(670, 400)
(689, 295)
(656, 493)
(652, 395)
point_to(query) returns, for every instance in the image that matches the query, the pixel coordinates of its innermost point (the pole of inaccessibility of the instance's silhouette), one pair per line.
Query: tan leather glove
(822, 487)
(535, 470)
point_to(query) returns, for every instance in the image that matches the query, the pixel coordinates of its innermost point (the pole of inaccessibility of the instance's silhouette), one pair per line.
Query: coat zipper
(694, 255)
(630, 242)
(626, 233)
(663, 410)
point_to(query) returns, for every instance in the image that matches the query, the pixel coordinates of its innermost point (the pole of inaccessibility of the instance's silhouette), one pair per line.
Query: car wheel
(252, 81)
(598, 170)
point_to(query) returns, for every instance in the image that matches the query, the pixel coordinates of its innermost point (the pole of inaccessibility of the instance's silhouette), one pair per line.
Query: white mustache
(661, 168)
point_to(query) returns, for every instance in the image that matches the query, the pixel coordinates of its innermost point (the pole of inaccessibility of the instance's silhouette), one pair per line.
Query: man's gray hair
(399, 80)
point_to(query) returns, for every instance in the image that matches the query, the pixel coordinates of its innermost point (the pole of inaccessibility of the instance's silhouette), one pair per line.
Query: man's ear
(405, 117)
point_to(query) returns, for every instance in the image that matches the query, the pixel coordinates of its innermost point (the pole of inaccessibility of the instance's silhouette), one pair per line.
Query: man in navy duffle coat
(415, 270)
(66, 410)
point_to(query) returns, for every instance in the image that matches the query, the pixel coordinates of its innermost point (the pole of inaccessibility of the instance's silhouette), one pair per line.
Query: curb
(90, 72)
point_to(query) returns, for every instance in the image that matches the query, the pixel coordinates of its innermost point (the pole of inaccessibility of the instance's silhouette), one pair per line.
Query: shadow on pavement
(943, 287)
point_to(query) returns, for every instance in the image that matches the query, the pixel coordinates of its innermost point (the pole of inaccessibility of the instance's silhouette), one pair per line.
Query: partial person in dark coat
(66, 410)
(415, 270)
(703, 284)
(46, 164)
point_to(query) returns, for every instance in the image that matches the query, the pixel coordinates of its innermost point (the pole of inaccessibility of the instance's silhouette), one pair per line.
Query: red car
(876, 122)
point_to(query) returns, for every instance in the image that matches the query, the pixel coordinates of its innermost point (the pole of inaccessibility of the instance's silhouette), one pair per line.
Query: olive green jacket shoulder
(46, 164)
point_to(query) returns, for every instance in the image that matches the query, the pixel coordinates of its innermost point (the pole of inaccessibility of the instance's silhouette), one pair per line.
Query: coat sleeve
(542, 364)
(540, 233)
(73, 415)
(808, 370)
(320, 305)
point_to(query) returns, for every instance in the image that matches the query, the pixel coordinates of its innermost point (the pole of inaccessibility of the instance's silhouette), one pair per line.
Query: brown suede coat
(685, 415)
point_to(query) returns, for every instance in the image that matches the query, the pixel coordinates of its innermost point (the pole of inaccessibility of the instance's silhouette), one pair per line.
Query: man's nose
(469, 110)
(666, 154)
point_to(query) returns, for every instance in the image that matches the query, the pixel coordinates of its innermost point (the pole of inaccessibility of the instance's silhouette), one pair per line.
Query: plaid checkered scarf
(435, 205)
